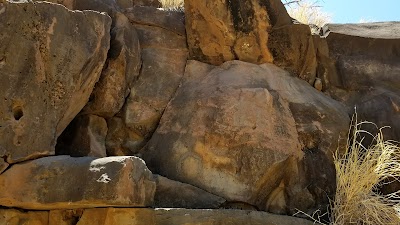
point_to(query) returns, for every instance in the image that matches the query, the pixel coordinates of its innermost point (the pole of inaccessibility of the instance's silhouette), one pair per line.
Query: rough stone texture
(15, 217)
(367, 59)
(85, 136)
(367, 74)
(174, 194)
(152, 3)
(65, 217)
(251, 134)
(219, 31)
(184, 217)
(292, 48)
(3, 165)
(170, 20)
(121, 68)
(62, 182)
(164, 54)
(47, 86)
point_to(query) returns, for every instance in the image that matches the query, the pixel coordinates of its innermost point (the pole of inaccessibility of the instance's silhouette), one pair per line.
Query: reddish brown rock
(113, 216)
(219, 31)
(47, 86)
(85, 136)
(251, 134)
(170, 20)
(15, 217)
(65, 217)
(164, 54)
(62, 182)
(121, 68)
(292, 48)
(174, 194)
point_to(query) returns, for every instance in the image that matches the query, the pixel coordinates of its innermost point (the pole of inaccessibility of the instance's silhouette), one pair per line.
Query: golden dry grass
(172, 4)
(360, 172)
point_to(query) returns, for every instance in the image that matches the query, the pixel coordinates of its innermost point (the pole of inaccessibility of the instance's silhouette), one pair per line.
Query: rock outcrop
(44, 86)
(174, 194)
(121, 216)
(163, 53)
(246, 132)
(63, 182)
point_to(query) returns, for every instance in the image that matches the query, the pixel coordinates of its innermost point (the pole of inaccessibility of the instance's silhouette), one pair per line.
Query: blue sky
(354, 11)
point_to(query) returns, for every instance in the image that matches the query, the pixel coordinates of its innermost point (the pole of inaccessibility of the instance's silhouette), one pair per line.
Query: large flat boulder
(63, 182)
(250, 134)
(43, 85)
(183, 217)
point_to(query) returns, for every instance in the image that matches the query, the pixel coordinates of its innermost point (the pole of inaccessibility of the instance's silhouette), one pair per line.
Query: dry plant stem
(359, 173)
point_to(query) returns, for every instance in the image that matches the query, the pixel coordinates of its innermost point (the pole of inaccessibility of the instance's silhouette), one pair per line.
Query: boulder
(163, 54)
(366, 54)
(16, 217)
(65, 217)
(62, 182)
(85, 136)
(174, 194)
(367, 59)
(44, 86)
(250, 134)
(121, 68)
(120, 216)
(292, 48)
(219, 31)
(152, 3)
(169, 20)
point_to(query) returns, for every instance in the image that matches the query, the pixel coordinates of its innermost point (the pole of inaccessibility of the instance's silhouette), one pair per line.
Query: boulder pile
(121, 112)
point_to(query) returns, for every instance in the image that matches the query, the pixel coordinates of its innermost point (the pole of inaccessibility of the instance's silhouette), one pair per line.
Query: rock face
(249, 133)
(174, 194)
(47, 86)
(164, 54)
(15, 217)
(85, 136)
(121, 68)
(367, 72)
(183, 217)
(219, 31)
(251, 31)
(62, 182)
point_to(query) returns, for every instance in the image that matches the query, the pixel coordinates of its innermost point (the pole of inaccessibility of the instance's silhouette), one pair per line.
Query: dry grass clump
(172, 4)
(360, 172)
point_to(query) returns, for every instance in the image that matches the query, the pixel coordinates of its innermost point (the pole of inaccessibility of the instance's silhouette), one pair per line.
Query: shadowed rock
(44, 85)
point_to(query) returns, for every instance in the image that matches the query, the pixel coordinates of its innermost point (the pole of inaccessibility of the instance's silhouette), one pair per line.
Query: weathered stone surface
(85, 136)
(163, 54)
(292, 48)
(367, 59)
(62, 182)
(174, 194)
(3, 165)
(152, 3)
(65, 217)
(120, 216)
(44, 86)
(15, 217)
(170, 20)
(121, 68)
(219, 31)
(250, 133)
